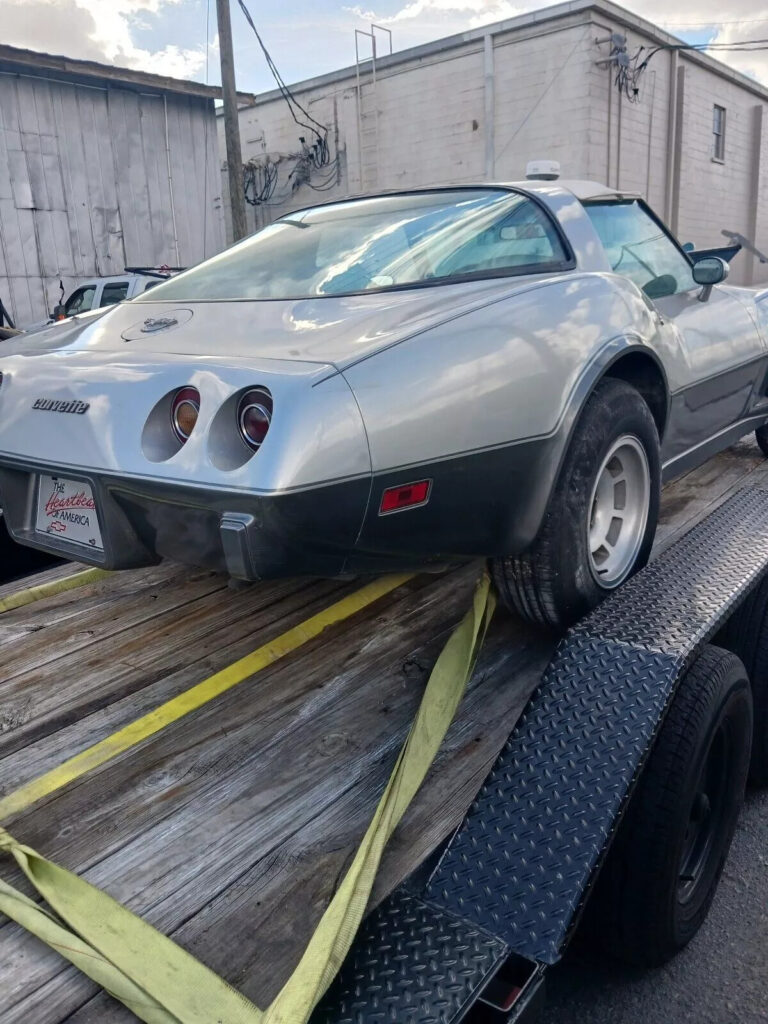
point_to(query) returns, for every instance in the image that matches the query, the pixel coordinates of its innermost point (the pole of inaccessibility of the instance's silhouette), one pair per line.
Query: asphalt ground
(720, 978)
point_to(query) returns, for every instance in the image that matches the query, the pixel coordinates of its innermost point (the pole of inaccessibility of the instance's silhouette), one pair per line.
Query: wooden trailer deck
(230, 828)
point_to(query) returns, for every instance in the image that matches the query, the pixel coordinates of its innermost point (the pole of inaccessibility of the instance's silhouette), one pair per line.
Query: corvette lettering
(55, 405)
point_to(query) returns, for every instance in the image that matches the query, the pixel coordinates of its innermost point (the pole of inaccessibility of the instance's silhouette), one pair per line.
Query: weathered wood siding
(85, 188)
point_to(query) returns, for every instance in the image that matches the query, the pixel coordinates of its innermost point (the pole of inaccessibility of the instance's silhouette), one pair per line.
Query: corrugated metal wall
(85, 187)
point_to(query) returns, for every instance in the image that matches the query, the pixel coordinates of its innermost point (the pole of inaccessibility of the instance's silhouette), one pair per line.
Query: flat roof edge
(553, 13)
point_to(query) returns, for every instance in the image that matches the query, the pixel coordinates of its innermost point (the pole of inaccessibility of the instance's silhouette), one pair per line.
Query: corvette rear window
(381, 243)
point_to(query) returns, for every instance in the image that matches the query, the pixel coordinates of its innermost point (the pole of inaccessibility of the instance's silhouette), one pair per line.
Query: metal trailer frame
(470, 936)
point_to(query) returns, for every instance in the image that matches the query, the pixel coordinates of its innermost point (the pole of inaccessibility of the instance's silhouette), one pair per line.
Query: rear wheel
(599, 526)
(663, 869)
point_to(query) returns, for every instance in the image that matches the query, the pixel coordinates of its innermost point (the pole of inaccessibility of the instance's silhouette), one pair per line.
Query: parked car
(97, 293)
(394, 382)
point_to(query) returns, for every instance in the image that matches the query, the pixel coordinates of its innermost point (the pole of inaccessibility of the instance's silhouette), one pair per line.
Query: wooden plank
(159, 241)
(85, 680)
(238, 821)
(131, 187)
(73, 160)
(686, 501)
(146, 681)
(103, 608)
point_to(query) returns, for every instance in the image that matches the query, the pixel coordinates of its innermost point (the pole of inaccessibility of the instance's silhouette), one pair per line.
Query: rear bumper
(249, 536)
(482, 504)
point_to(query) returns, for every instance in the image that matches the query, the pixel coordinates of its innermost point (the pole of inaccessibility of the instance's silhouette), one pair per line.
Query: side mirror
(708, 272)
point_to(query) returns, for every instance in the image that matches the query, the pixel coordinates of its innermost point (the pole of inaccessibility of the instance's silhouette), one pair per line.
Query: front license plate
(66, 509)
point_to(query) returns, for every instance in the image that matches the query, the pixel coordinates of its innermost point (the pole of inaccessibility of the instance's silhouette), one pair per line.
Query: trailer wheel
(601, 519)
(663, 869)
(746, 634)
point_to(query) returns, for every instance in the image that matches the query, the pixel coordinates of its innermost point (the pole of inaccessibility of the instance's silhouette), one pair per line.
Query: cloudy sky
(307, 37)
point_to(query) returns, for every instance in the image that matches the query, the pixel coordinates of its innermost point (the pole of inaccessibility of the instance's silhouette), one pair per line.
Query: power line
(260, 180)
(630, 68)
(320, 156)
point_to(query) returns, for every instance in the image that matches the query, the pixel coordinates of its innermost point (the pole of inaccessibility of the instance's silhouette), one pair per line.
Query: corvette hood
(332, 330)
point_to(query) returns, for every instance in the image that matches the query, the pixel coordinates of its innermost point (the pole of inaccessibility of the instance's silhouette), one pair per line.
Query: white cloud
(472, 10)
(95, 30)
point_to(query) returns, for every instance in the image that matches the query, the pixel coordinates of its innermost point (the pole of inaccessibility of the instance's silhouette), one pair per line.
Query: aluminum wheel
(618, 511)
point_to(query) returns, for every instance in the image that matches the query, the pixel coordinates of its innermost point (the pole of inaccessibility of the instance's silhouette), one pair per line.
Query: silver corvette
(393, 382)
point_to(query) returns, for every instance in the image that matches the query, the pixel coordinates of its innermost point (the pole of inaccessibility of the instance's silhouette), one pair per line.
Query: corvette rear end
(120, 460)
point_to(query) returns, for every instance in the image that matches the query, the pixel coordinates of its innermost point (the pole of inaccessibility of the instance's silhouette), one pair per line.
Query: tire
(643, 909)
(746, 634)
(761, 436)
(556, 580)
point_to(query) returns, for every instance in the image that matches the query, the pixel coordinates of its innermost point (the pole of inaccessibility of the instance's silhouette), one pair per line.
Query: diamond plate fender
(411, 964)
(522, 862)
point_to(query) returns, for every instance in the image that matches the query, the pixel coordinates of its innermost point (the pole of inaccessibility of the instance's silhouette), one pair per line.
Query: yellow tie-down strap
(162, 983)
(51, 588)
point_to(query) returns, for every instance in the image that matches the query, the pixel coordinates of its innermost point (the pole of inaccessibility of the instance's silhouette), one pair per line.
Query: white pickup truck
(102, 291)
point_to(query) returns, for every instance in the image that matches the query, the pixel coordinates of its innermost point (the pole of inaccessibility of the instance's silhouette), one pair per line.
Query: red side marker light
(394, 499)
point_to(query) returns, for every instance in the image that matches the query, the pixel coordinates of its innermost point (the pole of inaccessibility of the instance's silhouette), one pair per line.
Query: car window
(379, 243)
(114, 291)
(526, 237)
(80, 300)
(638, 248)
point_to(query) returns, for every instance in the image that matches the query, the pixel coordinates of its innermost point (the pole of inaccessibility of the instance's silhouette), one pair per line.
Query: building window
(718, 134)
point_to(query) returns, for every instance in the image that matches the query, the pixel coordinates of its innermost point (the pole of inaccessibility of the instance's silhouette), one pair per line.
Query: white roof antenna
(542, 170)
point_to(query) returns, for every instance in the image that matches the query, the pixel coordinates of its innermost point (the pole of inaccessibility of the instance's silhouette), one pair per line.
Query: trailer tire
(559, 578)
(662, 871)
(761, 436)
(746, 634)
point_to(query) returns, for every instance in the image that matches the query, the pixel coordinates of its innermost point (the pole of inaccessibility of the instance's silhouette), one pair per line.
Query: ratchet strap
(51, 589)
(163, 984)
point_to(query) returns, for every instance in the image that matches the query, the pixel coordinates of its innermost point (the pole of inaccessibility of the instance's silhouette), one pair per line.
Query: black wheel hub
(706, 816)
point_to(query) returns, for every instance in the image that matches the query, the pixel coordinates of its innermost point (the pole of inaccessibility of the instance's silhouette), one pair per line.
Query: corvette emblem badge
(169, 321)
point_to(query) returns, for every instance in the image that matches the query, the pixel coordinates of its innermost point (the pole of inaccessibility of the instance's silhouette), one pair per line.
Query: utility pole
(231, 122)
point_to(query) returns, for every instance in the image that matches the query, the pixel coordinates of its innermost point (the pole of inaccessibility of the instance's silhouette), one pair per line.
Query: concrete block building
(478, 106)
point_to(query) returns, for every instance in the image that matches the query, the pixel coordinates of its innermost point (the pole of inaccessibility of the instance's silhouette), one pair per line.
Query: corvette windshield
(386, 242)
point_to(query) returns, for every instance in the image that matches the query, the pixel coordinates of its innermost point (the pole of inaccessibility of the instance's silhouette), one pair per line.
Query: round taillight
(254, 415)
(185, 409)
